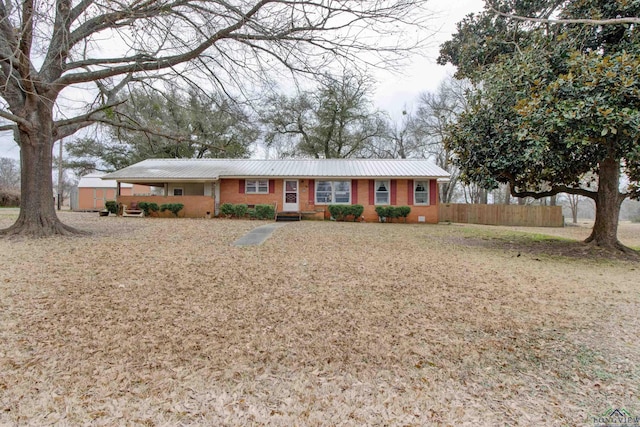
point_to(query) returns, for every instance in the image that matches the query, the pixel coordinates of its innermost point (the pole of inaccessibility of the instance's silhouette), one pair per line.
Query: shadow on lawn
(545, 246)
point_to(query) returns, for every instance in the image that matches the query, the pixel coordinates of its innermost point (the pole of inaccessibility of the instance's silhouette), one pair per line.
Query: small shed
(93, 192)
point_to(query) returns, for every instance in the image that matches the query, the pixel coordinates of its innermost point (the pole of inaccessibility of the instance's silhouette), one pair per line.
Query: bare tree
(51, 46)
(436, 112)
(333, 121)
(9, 174)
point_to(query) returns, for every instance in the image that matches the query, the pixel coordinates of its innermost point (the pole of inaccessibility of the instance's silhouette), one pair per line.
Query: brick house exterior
(308, 186)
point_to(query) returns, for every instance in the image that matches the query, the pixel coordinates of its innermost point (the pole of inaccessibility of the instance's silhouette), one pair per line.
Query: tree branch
(556, 189)
(165, 62)
(612, 21)
(9, 116)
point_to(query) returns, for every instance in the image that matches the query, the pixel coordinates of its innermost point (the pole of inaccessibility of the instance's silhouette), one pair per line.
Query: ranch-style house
(305, 186)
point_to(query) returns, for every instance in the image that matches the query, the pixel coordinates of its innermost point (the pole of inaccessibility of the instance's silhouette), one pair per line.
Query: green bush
(344, 212)
(337, 212)
(174, 208)
(265, 211)
(383, 212)
(636, 219)
(403, 212)
(226, 209)
(148, 207)
(252, 213)
(356, 211)
(388, 213)
(240, 211)
(111, 206)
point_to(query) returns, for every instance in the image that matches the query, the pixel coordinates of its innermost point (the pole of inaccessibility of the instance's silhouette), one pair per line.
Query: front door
(290, 203)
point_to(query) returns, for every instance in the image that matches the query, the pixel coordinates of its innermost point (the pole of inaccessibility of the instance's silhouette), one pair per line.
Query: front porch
(194, 206)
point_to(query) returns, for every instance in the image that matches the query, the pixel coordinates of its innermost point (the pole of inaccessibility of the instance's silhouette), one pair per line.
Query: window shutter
(312, 191)
(372, 192)
(433, 192)
(241, 186)
(272, 186)
(394, 191)
(410, 186)
(354, 192)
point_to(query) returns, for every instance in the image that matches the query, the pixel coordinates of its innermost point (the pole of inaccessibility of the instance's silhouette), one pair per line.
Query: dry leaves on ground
(163, 322)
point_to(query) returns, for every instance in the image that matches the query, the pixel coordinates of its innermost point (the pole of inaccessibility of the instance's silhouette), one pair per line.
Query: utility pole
(60, 175)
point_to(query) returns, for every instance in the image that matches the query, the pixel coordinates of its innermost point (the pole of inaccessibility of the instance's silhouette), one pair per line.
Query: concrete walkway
(258, 235)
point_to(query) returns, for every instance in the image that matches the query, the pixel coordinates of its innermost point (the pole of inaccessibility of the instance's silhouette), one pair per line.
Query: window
(178, 192)
(382, 192)
(257, 186)
(333, 192)
(421, 193)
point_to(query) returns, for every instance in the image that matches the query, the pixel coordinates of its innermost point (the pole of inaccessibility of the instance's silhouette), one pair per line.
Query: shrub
(388, 213)
(240, 211)
(148, 207)
(253, 213)
(342, 212)
(383, 212)
(9, 198)
(403, 212)
(226, 209)
(356, 211)
(111, 206)
(174, 208)
(265, 212)
(636, 219)
(337, 212)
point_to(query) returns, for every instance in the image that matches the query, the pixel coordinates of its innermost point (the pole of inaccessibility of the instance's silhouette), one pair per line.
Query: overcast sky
(394, 91)
(424, 74)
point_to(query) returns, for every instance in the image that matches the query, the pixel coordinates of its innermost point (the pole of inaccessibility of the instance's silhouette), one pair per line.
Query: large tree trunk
(37, 216)
(608, 202)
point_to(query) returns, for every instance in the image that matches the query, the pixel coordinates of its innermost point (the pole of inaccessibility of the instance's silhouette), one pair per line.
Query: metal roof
(157, 170)
(94, 180)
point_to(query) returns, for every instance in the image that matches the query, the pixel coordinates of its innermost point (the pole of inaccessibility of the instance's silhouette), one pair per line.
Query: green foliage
(194, 126)
(240, 210)
(344, 212)
(111, 206)
(265, 211)
(227, 209)
(558, 115)
(389, 213)
(174, 208)
(148, 207)
(403, 212)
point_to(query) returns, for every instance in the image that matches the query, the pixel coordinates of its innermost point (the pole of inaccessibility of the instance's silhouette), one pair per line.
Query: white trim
(427, 192)
(387, 183)
(333, 191)
(257, 186)
(290, 207)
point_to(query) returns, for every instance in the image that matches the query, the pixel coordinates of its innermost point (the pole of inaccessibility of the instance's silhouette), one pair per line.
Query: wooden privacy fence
(527, 216)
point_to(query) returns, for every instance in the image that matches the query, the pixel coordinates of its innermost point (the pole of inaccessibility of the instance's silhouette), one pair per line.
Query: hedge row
(388, 213)
(241, 211)
(344, 212)
(147, 207)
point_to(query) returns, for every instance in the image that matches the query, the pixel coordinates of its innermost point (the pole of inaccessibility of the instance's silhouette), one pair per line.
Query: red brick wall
(194, 206)
(229, 193)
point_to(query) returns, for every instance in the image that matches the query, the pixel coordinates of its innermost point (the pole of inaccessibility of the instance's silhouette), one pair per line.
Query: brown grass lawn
(162, 322)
